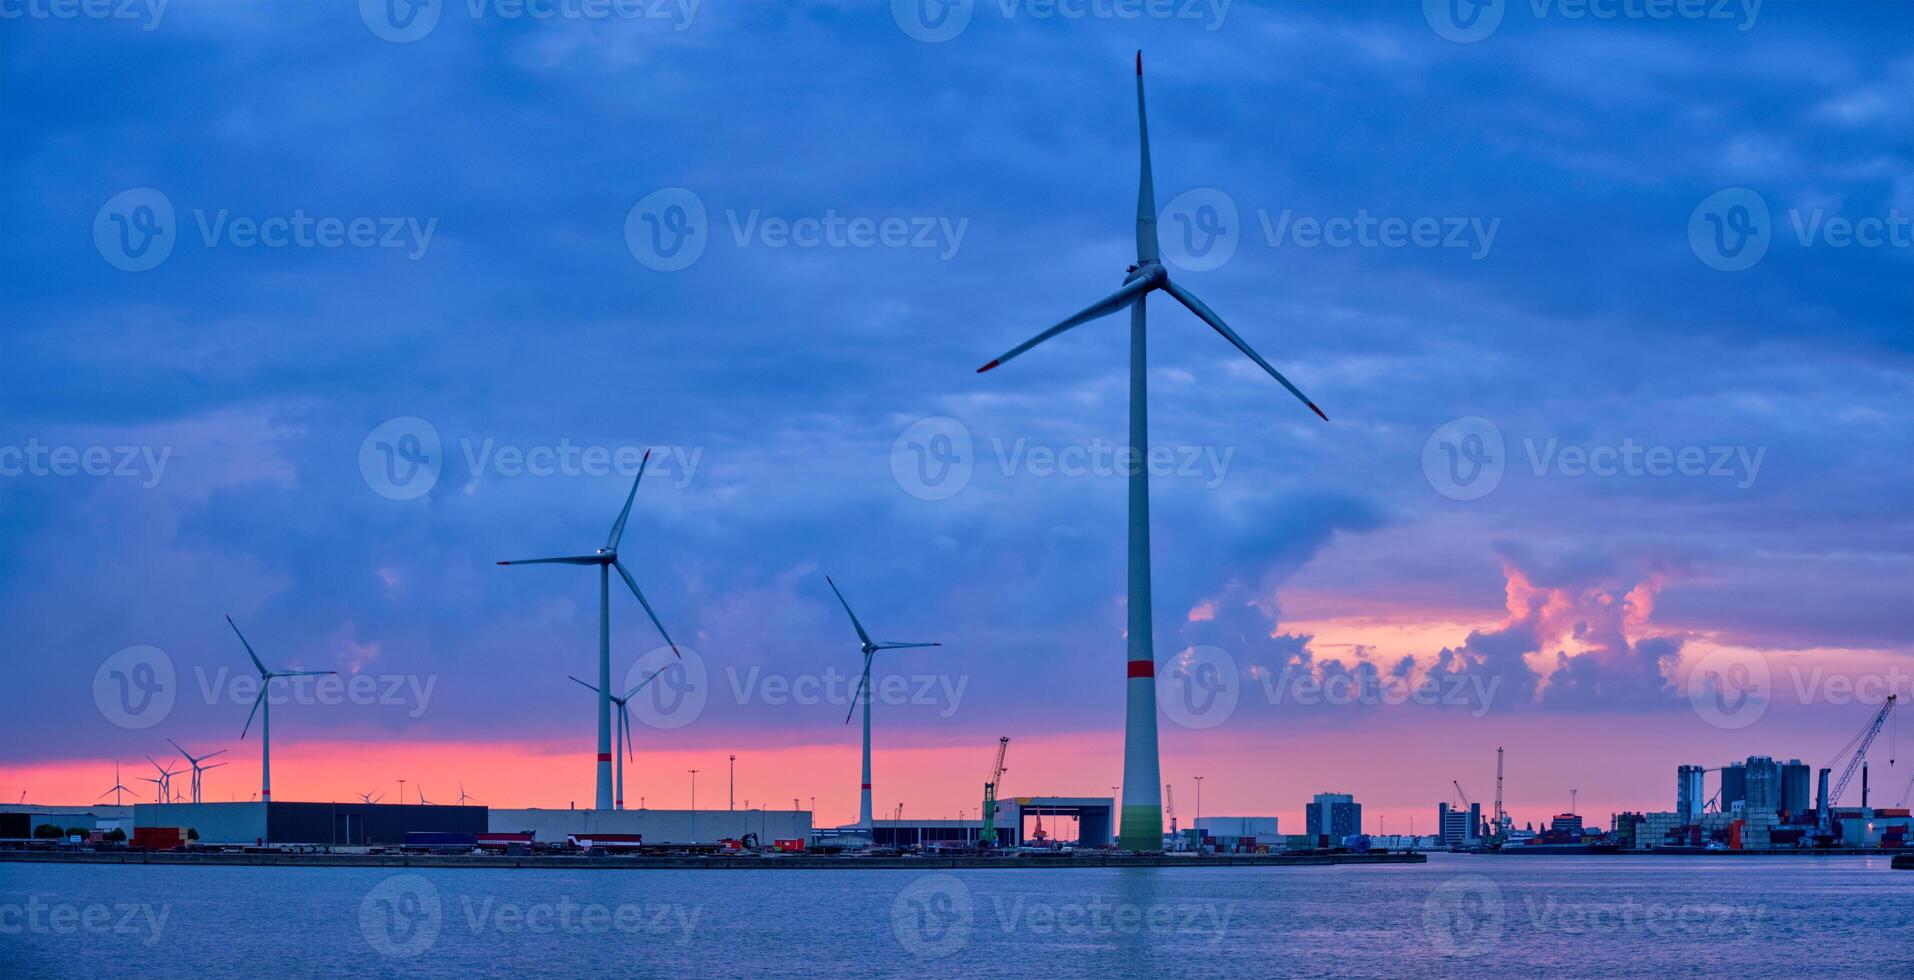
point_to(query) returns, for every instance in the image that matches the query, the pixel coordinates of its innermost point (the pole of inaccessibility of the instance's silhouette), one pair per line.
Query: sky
(315, 311)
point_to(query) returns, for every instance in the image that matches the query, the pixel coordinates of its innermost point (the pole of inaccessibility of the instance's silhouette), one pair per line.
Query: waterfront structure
(1332, 815)
(1690, 793)
(1458, 827)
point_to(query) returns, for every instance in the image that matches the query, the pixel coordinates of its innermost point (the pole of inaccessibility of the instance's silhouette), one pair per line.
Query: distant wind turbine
(266, 677)
(117, 788)
(419, 788)
(1142, 813)
(195, 763)
(606, 559)
(869, 647)
(163, 786)
(462, 796)
(372, 797)
(624, 729)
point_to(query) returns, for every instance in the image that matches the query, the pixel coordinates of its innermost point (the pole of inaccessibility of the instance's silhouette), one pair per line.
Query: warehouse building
(309, 824)
(655, 826)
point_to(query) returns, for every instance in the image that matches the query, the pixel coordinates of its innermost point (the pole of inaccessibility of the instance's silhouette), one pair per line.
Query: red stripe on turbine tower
(604, 756)
(1142, 668)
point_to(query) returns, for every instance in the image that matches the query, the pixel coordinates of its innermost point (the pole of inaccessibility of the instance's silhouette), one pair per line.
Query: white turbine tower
(606, 559)
(266, 677)
(869, 647)
(1142, 813)
(195, 763)
(624, 730)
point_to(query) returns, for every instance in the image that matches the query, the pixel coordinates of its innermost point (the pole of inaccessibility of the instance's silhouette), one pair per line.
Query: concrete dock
(765, 862)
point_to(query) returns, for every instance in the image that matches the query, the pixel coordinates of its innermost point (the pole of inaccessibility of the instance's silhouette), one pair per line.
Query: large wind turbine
(195, 763)
(266, 677)
(606, 559)
(869, 647)
(624, 729)
(163, 786)
(1142, 816)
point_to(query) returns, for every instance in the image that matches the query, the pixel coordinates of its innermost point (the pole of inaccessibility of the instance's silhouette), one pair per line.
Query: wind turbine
(606, 559)
(117, 788)
(1142, 814)
(371, 798)
(163, 786)
(266, 678)
(419, 788)
(624, 730)
(869, 648)
(462, 796)
(195, 763)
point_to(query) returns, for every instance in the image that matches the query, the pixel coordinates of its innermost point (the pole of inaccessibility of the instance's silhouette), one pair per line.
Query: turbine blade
(209, 755)
(618, 529)
(210, 768)
(589, 687)
(863, 681)
(646, 681)
(862, 637)
(633, 583)
(631, 755)
(567, 560)
(1209, 316)
(905, 646)
(183, 752)
(248, 646)
(250, 714)
(1101, 308)
(1146, 184)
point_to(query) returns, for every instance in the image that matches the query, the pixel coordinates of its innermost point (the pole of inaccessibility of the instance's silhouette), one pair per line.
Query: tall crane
(1169, 806)
(1859, 745)
(987, 837)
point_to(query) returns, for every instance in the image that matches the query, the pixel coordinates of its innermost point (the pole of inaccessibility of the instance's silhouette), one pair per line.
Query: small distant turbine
(163, 786)
(266, 677)
(371, 798)
(195, 763)
(462, 796)
(624, 730)
(117, 788)
(1142, 807)
(869, 648)
(606, 559)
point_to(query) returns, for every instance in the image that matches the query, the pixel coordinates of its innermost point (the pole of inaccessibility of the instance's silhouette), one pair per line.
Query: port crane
(1169, 809)
(1859, 746)
(987, 837)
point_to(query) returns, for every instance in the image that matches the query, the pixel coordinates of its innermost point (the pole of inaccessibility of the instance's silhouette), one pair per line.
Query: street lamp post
(1199, 813)
(731, 803)
(694, 804)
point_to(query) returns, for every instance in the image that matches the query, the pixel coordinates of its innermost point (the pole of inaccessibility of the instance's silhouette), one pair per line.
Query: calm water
(1456, 916)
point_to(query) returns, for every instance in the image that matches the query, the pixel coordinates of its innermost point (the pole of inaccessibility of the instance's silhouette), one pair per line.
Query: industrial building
(310, 824)
(1332, 816)
(655, 826)
(1017, 821)
(1458, 827)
